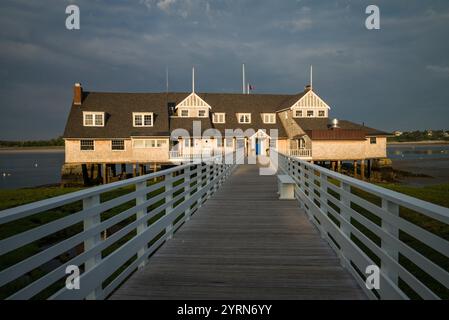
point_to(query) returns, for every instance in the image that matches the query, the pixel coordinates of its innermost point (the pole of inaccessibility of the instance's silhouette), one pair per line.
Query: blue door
(257, 147)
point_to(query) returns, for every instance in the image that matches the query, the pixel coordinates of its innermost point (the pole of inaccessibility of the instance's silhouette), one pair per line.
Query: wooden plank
(244, 243)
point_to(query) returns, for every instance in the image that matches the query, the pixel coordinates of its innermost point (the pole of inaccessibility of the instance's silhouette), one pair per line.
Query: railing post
(187, 174)
(346, 216)
(141, 227)
(169, 208)
(199, 182)
(390, 270)
(90, 243)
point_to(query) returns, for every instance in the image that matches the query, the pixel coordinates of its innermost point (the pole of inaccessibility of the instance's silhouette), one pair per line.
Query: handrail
(369, 225)
(116, 237)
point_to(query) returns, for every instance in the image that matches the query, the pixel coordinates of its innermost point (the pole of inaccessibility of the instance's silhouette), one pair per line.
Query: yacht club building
(105, 129)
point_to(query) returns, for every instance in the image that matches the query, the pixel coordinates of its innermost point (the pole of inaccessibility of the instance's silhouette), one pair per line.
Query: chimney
(77, 94)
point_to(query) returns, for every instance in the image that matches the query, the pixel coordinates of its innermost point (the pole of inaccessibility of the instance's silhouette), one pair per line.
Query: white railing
(300, 153)
(195, 154)
(108, 233)
(368, 225)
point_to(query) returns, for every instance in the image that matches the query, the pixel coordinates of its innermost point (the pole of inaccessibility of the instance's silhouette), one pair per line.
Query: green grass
(17, 197)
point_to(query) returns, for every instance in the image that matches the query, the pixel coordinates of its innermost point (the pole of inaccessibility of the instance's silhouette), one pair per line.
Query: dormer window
(321, 113)
(218, 117)
(93, 119)
(244, 117)
(298, 113)
(269, 118)
(309, 113)
(142, 119)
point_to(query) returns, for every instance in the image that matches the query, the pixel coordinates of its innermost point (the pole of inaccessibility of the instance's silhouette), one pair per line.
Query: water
(19, 169)
(418, 152)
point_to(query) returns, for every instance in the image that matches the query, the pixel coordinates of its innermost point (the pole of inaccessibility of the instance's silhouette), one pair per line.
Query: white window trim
(124, 145)
(184, 109)
(294, 113)
(217, 114)
(145, 142)
(143, 114)
(268, 115)
(87, 150)
(323, 116)
(242, 114)
(205, 113)
(94, 114)
(307, 113)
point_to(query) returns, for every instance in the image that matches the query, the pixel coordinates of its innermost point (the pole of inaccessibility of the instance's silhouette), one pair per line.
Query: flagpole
(243, 79)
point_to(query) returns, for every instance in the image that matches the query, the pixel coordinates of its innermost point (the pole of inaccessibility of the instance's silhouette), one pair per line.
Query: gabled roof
(323, 124)
(193, 99)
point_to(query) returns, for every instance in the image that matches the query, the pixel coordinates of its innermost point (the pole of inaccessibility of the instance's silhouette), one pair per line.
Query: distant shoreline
(31, 149)
(419, 142)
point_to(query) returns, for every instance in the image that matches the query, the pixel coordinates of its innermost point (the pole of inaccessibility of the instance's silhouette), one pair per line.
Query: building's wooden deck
(244, 243)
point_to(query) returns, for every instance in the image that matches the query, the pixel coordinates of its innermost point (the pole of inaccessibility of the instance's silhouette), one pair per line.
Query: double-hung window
(87, 145)
(118, 144)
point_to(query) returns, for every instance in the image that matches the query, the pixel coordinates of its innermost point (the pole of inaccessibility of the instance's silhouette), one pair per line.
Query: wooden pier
(244, 243)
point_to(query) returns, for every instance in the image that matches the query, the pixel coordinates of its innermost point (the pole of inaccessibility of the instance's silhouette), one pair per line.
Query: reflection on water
(30, 169)
(410, 152)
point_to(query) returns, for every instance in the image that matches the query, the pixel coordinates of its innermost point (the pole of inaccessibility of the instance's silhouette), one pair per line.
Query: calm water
(418, 152)
(35, 168)
(30, 168)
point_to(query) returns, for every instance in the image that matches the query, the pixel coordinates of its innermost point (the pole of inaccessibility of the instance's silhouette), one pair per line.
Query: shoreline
(31, 149)
(425, 142)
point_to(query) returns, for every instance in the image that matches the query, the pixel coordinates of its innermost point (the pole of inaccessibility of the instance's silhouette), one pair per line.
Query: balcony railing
(196, 154)
(300, 153)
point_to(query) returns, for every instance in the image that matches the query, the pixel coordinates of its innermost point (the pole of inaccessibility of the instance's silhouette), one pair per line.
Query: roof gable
(310, 100)
(193, 101)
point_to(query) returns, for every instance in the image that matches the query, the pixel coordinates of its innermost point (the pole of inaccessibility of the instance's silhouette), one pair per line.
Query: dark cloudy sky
(393, 78)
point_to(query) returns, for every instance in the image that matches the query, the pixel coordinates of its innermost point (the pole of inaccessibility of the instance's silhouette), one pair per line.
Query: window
(202, 113)
(218, 118)
(87, 145)
(93, 119)
(148, 143)
(118, 145)
(184, 113)
(143, 119)
(229, 143)
(310, 113)
(244, 117)
(372, 140)
(298, 113)
(269, 118)
(321, 113)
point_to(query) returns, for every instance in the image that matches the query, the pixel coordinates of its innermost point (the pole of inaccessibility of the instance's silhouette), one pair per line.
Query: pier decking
(244, 243)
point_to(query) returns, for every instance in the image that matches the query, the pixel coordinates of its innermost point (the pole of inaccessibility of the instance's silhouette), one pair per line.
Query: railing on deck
(107, 231)
(369, 225)
(195, 154)
(300, 153)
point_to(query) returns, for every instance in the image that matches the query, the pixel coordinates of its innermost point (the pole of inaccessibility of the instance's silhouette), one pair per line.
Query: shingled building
(108, 129)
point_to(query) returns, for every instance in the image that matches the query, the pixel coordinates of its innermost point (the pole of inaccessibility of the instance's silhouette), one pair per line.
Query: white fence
(369, 225)
(107, 231)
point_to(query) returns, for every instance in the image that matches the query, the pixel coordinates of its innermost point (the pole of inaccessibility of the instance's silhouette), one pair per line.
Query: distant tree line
(427, 135)
(33, 143)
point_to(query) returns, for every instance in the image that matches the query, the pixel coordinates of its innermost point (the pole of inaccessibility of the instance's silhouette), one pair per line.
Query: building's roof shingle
(118, 108)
